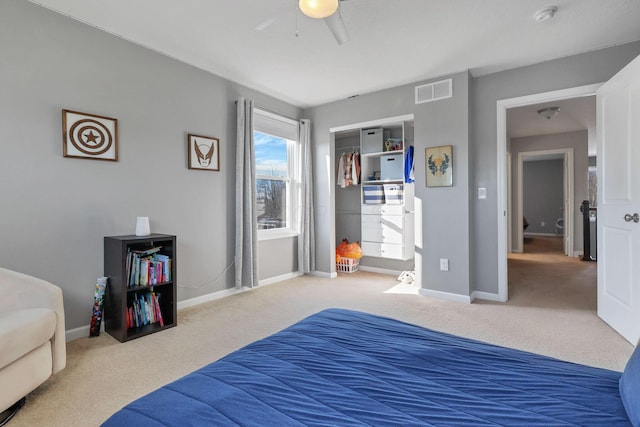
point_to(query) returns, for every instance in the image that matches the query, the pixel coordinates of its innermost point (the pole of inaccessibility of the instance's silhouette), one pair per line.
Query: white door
(618, 113)
(509, 207)
(565, 206)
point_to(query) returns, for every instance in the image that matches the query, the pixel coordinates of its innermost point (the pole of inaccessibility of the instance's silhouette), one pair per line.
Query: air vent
(434, 91)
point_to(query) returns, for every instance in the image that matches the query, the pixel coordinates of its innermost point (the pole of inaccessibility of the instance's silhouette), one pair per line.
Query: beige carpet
(549, 313)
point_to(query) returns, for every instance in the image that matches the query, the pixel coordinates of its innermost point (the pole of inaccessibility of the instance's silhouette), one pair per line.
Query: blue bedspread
(341, 367)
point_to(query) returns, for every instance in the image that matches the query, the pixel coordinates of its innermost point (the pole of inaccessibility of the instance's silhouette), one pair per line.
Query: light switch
(444, 264)
(482, 193)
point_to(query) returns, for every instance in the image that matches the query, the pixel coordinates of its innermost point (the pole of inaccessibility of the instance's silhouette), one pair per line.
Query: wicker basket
(347, 265)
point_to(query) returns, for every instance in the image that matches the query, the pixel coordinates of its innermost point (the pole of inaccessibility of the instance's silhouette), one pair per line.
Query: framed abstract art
(439, 166)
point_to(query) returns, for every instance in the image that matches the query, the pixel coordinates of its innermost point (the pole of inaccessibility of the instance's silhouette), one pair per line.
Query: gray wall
(588, 68)
(455, 224)
(445, 211)
(578, 141)
(542, 194)
(55, 210)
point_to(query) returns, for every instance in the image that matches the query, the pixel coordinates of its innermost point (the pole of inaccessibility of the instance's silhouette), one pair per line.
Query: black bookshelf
(120, 293)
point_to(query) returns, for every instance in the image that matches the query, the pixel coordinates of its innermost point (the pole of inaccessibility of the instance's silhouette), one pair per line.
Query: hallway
(543, 276)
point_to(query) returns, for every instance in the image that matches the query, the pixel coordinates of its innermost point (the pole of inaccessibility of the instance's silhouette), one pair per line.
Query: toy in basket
(348, 256)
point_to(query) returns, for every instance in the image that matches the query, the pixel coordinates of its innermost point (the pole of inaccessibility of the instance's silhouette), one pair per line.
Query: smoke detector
(545, 14)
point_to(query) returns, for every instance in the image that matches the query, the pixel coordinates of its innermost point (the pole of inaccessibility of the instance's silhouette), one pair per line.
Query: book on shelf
(144, 310)
(147, 267)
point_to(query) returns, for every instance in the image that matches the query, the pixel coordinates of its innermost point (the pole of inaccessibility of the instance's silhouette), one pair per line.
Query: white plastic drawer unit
(382, 210)
(383, 228)
(383, 250)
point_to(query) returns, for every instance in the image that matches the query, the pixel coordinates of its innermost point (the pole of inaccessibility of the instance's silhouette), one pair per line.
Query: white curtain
(307, 240)
(246, 258)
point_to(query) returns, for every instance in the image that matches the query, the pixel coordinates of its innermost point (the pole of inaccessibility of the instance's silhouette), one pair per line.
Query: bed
(342, 367)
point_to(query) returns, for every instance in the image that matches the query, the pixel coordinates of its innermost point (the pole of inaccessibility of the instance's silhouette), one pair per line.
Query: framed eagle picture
(204, 152)
(439, 166)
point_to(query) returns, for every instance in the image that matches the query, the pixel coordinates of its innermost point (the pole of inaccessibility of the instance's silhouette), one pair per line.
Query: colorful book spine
(144, 310)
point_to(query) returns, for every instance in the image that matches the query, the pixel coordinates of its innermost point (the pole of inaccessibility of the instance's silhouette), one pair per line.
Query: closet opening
(373, 193)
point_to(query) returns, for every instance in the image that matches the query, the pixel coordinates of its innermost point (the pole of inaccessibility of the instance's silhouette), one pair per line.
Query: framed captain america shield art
(89, 136)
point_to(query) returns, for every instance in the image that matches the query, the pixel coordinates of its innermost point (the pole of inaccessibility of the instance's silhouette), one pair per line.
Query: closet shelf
(382, 153)
(384, 181)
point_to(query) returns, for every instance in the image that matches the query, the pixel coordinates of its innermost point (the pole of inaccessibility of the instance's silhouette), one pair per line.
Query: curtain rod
(271, 111)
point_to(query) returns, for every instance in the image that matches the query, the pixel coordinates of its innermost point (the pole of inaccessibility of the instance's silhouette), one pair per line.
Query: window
(593, 187)
(275, 149)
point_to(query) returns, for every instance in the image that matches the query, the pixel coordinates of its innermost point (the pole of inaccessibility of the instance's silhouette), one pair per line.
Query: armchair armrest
(21, 291)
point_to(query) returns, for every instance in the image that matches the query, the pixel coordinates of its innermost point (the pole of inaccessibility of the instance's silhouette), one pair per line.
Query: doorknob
(635, 217)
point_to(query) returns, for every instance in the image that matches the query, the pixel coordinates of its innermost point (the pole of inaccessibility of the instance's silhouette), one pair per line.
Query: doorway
(566, 213)
(503, 207)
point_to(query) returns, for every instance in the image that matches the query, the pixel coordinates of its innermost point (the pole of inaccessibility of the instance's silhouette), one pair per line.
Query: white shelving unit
(387, 226)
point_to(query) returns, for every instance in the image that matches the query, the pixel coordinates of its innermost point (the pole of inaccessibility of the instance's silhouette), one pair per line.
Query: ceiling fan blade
(337, 27)
(279, 13)
(266, 23)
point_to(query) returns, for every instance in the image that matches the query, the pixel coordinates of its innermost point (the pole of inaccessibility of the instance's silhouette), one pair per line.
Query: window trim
(287, 129)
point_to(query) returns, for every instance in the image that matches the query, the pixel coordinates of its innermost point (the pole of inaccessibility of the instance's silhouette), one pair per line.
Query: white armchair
(32, 335)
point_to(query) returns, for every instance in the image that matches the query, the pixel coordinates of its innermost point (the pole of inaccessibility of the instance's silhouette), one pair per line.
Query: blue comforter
(341, 367)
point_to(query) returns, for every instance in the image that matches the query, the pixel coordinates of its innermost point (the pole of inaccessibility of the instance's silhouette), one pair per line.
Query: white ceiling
(393, 42)
(575, 114)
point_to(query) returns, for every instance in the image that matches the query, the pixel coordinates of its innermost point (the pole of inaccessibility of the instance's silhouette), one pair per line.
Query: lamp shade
(549, 112)
(318, 8)
(142, 226)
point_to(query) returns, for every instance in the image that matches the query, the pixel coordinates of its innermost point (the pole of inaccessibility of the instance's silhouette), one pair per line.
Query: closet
(348, 206)
(378, 211)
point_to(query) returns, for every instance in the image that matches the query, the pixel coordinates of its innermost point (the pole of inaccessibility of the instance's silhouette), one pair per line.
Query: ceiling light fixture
(318, 8)
(549, 112)
(544, 14)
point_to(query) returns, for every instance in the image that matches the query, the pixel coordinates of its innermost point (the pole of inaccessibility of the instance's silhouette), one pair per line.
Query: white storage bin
(371, 140)
(391, 167)
(393, 194)
(373, 194)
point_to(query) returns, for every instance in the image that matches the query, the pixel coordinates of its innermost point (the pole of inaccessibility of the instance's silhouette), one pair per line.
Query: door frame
(567, 196)
(503, 210)
(332, 176)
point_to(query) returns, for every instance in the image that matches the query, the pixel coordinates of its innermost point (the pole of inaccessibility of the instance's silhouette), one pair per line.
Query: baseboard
(486, 296)
(83, 331)
(325, 275)
(76, 333)
(233, 291)
(542, 235)
(445, 295)
(578, 254)
(380, 270)
(209, 297)
(276, 279)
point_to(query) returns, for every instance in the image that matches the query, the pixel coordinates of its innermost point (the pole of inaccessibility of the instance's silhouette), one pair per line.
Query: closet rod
(354, 148)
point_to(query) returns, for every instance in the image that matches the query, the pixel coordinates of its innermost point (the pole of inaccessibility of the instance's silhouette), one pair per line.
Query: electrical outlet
(542, 223)
(444, 264)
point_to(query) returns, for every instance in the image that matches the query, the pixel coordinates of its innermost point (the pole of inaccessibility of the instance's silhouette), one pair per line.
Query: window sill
(275, 234)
